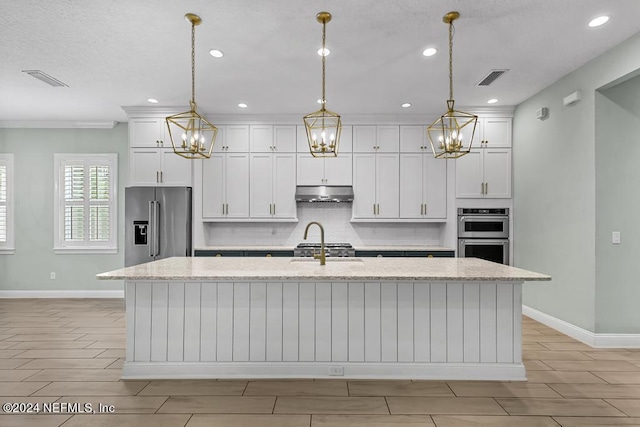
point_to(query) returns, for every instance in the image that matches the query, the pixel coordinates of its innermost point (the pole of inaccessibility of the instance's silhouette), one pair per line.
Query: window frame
(8, 247)
(86, 160)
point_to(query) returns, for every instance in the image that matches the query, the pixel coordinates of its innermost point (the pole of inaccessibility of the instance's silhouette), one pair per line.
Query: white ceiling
(115, 53)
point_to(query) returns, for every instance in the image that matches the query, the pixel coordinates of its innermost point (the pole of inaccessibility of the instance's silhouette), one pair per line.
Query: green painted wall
(555, 201)
(34, 260)
(617, 206)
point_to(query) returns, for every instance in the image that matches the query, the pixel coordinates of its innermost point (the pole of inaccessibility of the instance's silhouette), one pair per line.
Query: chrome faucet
(322, 256)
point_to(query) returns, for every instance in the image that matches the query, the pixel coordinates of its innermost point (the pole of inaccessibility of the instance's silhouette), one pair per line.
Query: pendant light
(323, 126)
(452, 134)
(194, 135)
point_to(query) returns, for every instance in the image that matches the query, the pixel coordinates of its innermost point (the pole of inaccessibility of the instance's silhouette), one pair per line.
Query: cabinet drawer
(207, 252)
(379, 254)
(429, 254)
(278, 253)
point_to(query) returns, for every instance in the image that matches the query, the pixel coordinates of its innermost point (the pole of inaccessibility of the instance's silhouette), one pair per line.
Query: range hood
(324, 193)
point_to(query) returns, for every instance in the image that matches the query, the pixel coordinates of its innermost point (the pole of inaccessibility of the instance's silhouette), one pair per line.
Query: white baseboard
(583, 335)
(62, 294)
(348, 370)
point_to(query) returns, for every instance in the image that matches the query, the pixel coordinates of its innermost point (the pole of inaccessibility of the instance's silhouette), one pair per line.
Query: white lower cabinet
(423, 186)
(375, 186)
(324, 170)
(273, 186)
(158, 167)
(225, 187)
(484, 173)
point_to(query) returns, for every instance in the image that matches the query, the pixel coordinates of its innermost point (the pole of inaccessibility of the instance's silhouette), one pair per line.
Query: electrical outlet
(52, 275)
(336, 371)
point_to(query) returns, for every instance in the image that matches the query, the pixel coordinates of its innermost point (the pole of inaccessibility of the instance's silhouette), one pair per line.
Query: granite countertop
(356, 247)
(309, 269)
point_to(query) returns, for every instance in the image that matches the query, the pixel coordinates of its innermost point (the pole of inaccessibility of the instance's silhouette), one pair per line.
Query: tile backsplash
(335, 218)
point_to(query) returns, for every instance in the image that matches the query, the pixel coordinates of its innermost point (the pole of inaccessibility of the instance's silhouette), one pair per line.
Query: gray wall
(555, 204)
(617, 207)
(34, 260)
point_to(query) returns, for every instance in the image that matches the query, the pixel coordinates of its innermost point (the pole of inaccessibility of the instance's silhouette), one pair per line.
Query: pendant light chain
(324, 37)
(451, 60)
(193, 65)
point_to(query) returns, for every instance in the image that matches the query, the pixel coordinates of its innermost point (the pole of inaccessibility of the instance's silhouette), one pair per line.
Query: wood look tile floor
(71, 352)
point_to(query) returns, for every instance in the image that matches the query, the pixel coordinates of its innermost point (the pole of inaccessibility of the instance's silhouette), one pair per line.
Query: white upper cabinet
(423, 178)
(484, 173)
(324, 170)
(268, 138)
(225, 186)
(148, 132)
(493, 132)
(369, 139)
(232, 139)
(375, 186)
(158, 167)
(273, 186)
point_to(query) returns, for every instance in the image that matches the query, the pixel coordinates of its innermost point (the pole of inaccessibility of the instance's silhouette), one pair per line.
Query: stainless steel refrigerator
(158, 223)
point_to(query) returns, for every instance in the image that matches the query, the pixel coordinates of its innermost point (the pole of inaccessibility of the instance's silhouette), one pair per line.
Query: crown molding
(58, 124)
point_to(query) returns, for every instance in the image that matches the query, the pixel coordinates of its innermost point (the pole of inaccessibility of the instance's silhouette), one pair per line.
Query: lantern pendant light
(323, 126)
(452, 134)
(192, 136)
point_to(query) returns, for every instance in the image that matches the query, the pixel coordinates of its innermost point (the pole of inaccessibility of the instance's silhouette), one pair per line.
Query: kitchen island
(417, 318)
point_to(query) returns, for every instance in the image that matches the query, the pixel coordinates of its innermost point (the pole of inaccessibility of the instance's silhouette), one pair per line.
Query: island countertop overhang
(308, 269)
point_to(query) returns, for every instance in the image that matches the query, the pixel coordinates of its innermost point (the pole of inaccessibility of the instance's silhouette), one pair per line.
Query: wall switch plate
(336, 371)
(52, 275)
(615, 237)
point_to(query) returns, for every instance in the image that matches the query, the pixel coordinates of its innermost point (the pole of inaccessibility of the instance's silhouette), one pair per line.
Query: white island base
(408, 329)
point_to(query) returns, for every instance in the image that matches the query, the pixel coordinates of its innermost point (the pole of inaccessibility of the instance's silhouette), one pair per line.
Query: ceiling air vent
(45, 78)
(491, 77)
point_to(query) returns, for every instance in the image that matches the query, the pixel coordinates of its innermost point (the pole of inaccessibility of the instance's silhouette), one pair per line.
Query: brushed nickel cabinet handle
(157, 176)
(482, 188)
(486, 188)
(223, 209)
(425, 208)
(274, 208)
(161, 177)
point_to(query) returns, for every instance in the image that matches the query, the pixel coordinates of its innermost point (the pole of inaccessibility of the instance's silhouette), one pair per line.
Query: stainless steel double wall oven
(484, 233)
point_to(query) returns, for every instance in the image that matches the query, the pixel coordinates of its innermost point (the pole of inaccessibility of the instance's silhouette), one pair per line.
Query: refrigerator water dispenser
(140, 232)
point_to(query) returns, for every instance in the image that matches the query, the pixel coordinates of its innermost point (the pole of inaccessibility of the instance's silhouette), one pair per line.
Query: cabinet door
(213, 183)
(338, 170)
(388, 139)
(387, 185)
(364, 185)
(220, 144)
(237, 138)
(144, 166)
(497, 132)
(284, 138)
(364, 139)
(176, 170)
(497, 172)
(284, 185)
(147, 132)
(237, 185)
(302, 146)
(261, 138)
(469, 174)
(435, 187)
(346, 140)
(411, 203)
(260, 199)
(413, 139)
(310, 170)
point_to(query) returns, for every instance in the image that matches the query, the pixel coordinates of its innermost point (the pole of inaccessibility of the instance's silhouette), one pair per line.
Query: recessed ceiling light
(492, 101)
(429, 51)
(600, 20)
(324, 52)
(152, 100)
(406, 105)
(320, 101)
(216, 53)
(242, 105)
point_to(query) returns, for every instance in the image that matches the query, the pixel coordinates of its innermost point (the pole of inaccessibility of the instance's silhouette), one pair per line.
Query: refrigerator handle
(156, 228)
(152, 234)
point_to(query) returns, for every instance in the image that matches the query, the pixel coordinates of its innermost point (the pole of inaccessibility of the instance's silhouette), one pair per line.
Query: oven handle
(483, 218)
(502, 242)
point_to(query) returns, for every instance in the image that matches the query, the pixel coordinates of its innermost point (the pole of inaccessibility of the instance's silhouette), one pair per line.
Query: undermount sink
(342, 260)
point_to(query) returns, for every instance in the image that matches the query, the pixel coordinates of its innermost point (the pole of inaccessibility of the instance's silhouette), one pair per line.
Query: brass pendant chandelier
(323, 126)
(196, 134)
(452, 134)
